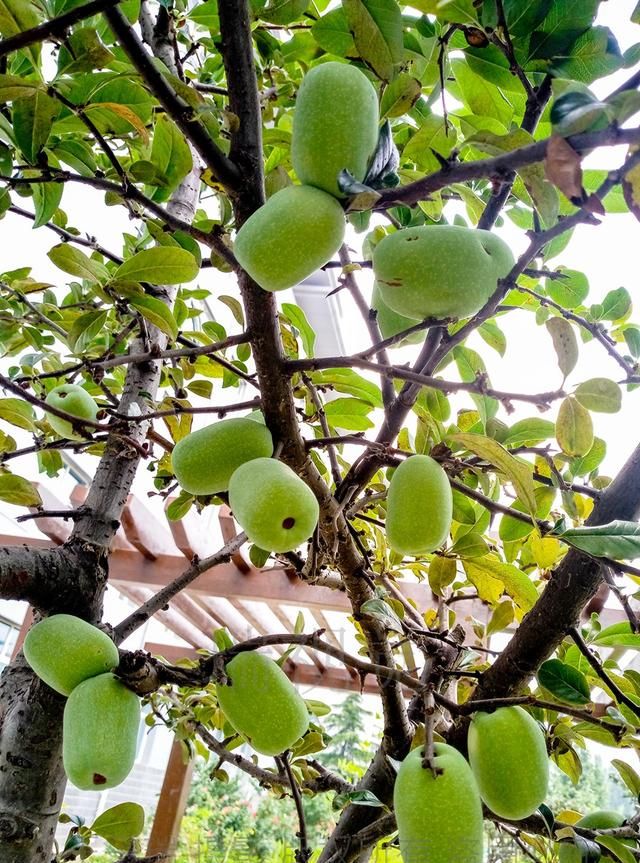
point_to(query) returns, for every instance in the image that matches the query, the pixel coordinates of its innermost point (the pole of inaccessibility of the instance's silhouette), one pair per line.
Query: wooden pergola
(148, 553)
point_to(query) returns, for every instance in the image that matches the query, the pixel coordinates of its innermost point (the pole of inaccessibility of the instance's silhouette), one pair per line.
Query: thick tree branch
(180, 112)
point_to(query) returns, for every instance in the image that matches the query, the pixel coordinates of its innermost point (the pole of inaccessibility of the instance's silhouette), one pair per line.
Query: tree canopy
(179, 117)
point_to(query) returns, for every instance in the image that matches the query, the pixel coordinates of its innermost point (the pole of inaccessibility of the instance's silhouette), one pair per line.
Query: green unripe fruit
(439, 817)
(391, 323)
(508, 756)
(64, 650)
(419, 506)
(100, 733)
(74, 400)
(276, 509)
(602, 819)
(440, 271)
(295, 233)
(204, 460)
(262, 703)
(335, 126)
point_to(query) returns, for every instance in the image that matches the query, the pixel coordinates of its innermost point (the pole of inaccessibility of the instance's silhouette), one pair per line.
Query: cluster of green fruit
(439, 811)
(262, 704)
(435, 271)
(74, 400)
(101, 716)
(335, 128)
(276, 509)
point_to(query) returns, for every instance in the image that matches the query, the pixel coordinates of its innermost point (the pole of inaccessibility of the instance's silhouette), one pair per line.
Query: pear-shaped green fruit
(508, 756)
(602, 819)
(74, 400)
(100, 733)
(439, 817)
(64, 650)
(276, 509)
(440, 271)
(204, 460)
(262, 703)
(295, 233)
(335, 125)
(391, 323)
(419, 506)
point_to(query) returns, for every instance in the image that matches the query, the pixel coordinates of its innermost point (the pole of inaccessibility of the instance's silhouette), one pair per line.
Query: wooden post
(171, 804)
(26, 626)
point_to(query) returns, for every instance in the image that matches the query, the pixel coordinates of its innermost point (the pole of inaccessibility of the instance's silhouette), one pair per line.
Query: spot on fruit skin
(99, 779)
(288, 523)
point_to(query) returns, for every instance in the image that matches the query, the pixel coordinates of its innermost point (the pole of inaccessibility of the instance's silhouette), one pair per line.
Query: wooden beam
(57, 529)
(144, 531)
(229, 529)
(174, 622)
(171, 805)
(194, 534)
(227, 616)
(329, 634)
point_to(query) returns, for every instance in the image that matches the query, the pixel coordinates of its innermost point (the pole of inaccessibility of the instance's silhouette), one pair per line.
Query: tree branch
(56, 27)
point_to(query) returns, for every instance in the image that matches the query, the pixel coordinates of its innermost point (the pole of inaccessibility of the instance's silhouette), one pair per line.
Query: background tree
(179, 115)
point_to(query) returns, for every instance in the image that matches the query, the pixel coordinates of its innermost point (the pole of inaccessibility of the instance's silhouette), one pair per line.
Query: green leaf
(163, 265)
(17, 412)
(632, 338)
(18, 491)
(618, 635)
(348, 381)
(400, 96)
(501, 618)
(16, 16)
(529, 432)
(46, 199)
(74, 262)
(222, 639)
(155, 311)
(32, 121)
(594, 55)
(442, 573)
(469, 545)
(85, 328)
(457, 11)
(332, 33)
(299, 320)
(628, 776)
(569, 291)
(234, 306)
(516, 583)
(180, 506)
(600, 394)
(171, 155)
(14, 87)
(588, 463)
(619, 540)
(574, 428)
(618, 849)
(377, 31)
(383, 612)
(258, 556)
(564, 682)
(283, 11)
(565, 22)
(516, 471)
(349, 414)
(565, 344)
(470, 364)
(615, 305)
(120, 824)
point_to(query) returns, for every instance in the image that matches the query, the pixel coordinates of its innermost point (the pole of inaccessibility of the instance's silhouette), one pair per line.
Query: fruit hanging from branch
(262, 704)
(277, 510)
(440, 271)
(204, 460)
(419, 506)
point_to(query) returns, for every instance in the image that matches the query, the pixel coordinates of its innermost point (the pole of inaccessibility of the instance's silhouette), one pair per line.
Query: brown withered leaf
(562, 168)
